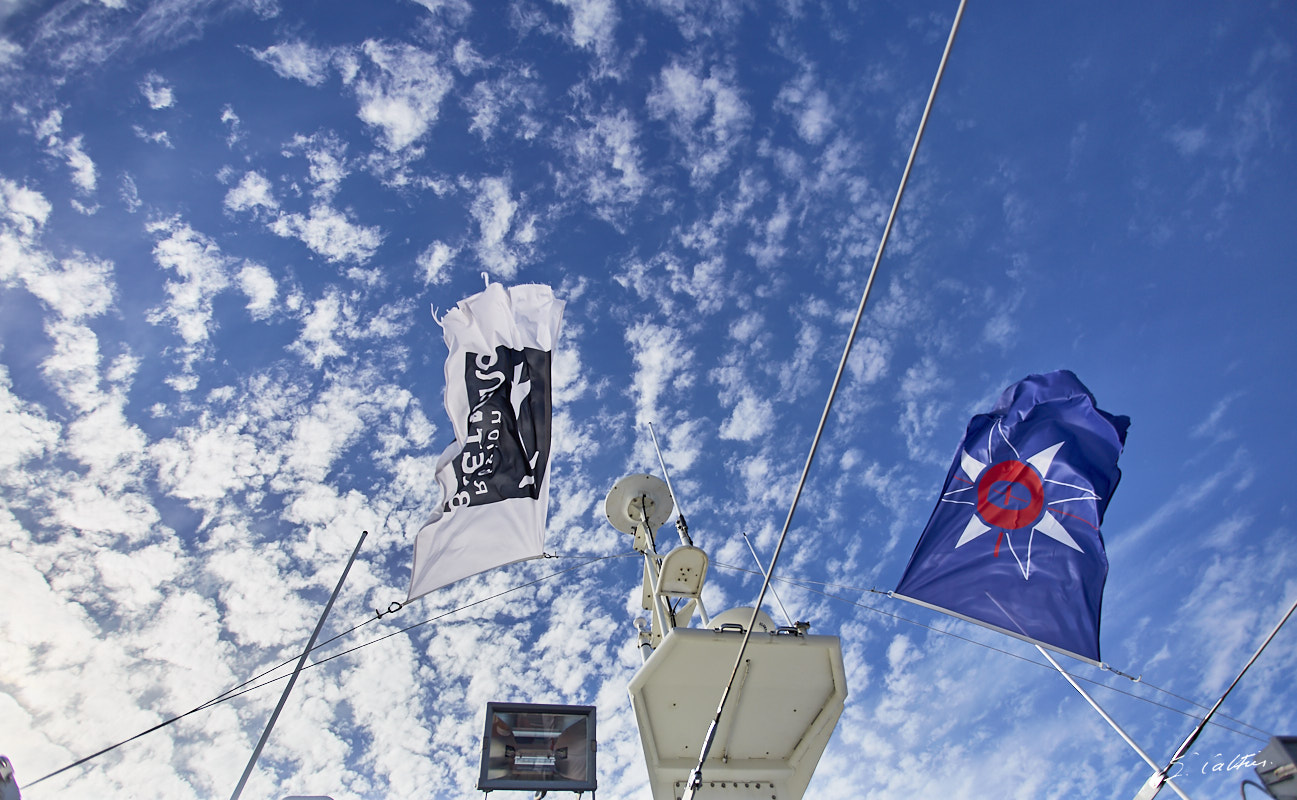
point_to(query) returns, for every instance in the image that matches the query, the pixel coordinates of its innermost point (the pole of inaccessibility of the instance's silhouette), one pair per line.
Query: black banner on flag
(507, 447)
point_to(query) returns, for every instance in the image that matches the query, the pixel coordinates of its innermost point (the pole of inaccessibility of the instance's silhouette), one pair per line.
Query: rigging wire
(695, 776)
(228, 694)
(804, 584)
(234, 692)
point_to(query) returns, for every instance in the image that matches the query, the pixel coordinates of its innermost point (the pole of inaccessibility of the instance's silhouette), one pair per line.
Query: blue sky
(223, 226)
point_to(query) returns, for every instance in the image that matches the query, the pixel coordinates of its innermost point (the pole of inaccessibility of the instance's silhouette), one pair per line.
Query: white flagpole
(1157, 771)
(265, 735)
(1154, 784)
(1147, 759)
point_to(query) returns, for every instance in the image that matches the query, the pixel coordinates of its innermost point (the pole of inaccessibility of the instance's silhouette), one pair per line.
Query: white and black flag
(495, 496)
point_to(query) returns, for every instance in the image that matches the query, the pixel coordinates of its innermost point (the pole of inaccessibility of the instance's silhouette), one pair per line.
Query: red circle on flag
(1009, 495)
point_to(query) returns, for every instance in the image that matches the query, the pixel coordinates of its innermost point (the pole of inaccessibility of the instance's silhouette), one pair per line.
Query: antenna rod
(695, 780)
(265, 735)
(755, 558)
(681, 526)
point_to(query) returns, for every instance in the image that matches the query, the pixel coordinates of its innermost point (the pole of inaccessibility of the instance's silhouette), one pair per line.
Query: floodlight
(529, 746)
(1277, 767)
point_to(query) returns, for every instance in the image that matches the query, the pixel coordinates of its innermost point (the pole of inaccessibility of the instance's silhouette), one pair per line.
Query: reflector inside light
(541, 747)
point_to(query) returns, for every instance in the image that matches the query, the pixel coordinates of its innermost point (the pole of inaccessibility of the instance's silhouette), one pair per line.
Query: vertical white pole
(301, 662)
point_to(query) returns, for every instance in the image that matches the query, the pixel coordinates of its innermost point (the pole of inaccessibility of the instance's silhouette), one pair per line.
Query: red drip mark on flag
(1073, 516)
(998, 539)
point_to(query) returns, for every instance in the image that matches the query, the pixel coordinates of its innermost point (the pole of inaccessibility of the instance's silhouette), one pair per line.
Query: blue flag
(1014, 541)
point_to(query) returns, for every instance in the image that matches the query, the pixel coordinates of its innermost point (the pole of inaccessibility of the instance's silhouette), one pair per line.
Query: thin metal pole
(1111, 722)
(757, 559)
(1156, 781)
(696, 775)
(301, 662)
(1154, 778)
(682, 527)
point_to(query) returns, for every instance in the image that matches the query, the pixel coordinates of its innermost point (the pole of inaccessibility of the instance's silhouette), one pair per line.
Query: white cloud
(73, 363)
(130, 194)
(321, 327)
(84, 173)
(157, 92)
(326, 156)
(243, 582)
(808, 105)
(921, 412)
(662, 360)
(67, 639)
(999, 329)
(1188, 141)
(297, 61)
(793, 371)
(869, 359)
(680, 94)
(457, 11)
(767, 247)
(106, 442)
(1211, 428)
(78, 287)
(432, 262)
(504, 240)
(253, 191)
(49, 127)
(235, 125)
(750, 418)
(706, 283)
(510, 104)
(594, 23)
(24, 429)
(330, 233)
(202, 271)
(746, 328)
(606, 158)
(466, 57)
(1181, 499)
(24, 208)
(319, 437)
(74, 288)
(9, 52)
(402, 95)
(208, 464)
(702, 20)
(92, 508)
(704, 112)
(259, 286)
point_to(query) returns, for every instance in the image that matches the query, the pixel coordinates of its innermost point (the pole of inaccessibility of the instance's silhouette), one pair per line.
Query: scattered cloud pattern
(225, 228)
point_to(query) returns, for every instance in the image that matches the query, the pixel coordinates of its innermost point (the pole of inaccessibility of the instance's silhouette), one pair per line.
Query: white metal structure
(786, 700)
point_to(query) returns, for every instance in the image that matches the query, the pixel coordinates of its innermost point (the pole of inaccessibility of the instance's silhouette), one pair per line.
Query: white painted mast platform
(787, 696)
